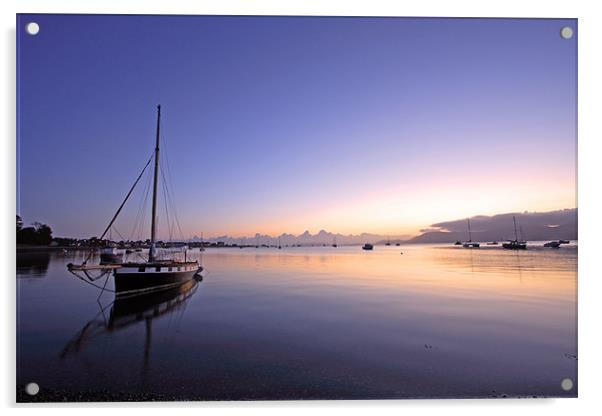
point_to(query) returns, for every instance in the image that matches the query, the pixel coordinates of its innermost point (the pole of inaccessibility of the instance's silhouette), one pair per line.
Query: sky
(286, 124)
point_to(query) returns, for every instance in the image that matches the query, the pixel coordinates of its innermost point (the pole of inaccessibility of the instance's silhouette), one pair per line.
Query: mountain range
(551, 225)
(307, 238)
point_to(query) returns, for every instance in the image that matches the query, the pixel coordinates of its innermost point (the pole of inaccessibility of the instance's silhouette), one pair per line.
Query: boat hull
(514, 246)
(106, 258)
(471, 245)
(134, 279)
(552, 244)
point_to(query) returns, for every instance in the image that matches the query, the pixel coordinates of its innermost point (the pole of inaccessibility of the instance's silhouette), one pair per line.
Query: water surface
(308, 323)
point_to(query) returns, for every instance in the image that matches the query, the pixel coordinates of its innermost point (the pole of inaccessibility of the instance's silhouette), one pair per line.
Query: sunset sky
(272, 125)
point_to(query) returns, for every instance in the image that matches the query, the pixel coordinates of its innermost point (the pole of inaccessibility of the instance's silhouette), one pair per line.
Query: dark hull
(126, 283)
(510, 246)
(110, 258)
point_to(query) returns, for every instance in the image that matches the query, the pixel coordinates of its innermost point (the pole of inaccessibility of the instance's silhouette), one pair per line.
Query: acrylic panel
(287, 207)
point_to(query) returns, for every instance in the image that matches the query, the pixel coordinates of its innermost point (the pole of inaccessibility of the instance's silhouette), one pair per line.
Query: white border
(590, 209)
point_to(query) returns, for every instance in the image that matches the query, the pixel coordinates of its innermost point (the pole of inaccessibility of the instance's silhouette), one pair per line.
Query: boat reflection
(130, 311)
(33, 264)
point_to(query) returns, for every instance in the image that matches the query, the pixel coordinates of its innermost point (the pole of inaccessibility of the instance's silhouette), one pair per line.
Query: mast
(151, 253)
(469, 233)
(515, 234)
(522, 235)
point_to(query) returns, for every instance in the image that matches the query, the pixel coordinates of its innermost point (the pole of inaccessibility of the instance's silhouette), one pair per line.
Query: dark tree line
(38, 233)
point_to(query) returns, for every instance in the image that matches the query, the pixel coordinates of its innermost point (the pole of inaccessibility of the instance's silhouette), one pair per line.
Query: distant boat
(515, 244)
(564, 241)
(552, 244)
(279, 245)
(110, 255)
(469, 243)
(367, 247)
(388, 243)
(458, 243)
(202, 248)
(334, 242)
(397, 244)
(493, 243)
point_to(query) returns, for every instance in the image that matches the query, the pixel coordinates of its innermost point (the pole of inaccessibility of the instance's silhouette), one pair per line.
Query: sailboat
(515, 244)
(469, 243)
(155, 273)
(202, 243)
(334, 241)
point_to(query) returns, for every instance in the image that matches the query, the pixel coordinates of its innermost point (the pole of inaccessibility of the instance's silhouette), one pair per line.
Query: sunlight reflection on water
(313, 323)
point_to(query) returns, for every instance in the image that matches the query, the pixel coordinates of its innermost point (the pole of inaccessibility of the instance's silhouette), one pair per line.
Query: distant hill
(552, 225)
(307, 238)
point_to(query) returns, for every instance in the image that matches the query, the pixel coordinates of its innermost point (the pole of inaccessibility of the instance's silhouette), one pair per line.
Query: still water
(308, 323)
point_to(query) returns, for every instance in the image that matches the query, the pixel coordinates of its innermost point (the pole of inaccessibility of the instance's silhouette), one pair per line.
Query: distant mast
(469, 232)
(515, 233)
(151, 252)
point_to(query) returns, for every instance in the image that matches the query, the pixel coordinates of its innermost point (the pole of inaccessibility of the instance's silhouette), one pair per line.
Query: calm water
(309, 323)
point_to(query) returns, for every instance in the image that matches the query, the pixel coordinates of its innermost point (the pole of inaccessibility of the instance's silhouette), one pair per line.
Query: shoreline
(36, 249)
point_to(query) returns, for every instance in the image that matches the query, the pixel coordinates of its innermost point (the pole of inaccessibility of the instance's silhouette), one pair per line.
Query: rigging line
(142, 223)
(165, 196)
(121, 206)
(173, 205)
(138, 229)
(138, 213)
(165, 201)
(92, 284)
(119, 234)
(141, 214)
(170, 188)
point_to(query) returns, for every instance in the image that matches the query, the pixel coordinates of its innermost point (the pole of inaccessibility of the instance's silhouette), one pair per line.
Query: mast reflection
(128, 312)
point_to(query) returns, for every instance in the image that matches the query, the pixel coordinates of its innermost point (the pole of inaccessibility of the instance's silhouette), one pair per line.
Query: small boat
(334, 242)
(458, 243)
(110, 255)
(397, 244)
(129, 251)
(493, 243)
(367, 246)
(552, 244)
(515, 244)
(564, 241)
(388, 243)
(469, 243)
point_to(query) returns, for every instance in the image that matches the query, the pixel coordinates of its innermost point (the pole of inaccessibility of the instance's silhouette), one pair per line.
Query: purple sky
(281, 124)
